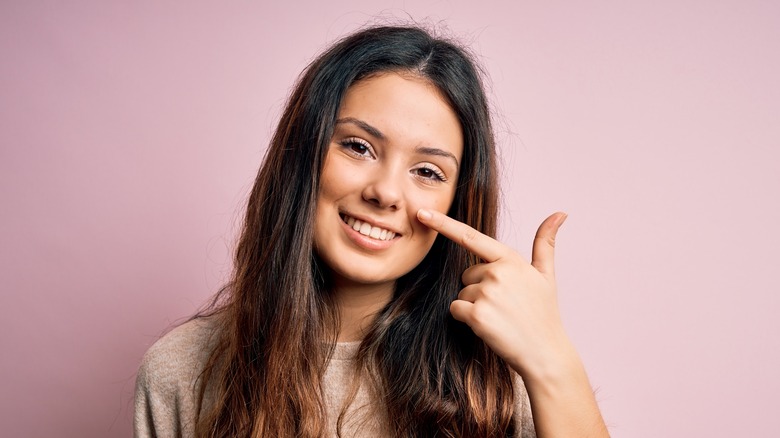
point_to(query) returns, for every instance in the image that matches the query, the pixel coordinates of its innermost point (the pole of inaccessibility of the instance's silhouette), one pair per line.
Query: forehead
(407, 110)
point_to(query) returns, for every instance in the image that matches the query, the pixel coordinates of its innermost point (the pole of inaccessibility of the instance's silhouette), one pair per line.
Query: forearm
(562, 400)
(512, 306)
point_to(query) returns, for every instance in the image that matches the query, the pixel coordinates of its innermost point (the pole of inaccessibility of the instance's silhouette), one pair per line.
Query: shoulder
(167, 381)
(182, 351)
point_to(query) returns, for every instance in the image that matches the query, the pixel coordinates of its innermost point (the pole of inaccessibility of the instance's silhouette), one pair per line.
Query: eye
(357, 147)
(429, 173)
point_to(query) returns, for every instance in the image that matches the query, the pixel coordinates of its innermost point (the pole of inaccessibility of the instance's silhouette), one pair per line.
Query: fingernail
(562, 219)
(424, 214)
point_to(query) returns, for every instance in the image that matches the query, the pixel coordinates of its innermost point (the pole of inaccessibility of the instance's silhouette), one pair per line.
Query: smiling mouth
(367, 229)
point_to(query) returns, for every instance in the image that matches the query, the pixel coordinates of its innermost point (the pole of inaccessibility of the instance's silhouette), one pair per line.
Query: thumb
(543, 255)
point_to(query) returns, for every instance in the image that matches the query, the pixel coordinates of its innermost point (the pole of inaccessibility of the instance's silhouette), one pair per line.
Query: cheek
(329, 186)
(338, 180)
(438, 203)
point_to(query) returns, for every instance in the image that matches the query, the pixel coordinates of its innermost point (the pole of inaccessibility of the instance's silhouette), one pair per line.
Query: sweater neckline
(345, 350)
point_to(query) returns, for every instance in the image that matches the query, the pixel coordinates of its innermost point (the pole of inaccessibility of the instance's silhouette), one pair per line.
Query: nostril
(373, 201)
(383, 194)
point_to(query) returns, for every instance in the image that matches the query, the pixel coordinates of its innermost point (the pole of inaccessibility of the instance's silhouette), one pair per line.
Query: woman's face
(396, 148)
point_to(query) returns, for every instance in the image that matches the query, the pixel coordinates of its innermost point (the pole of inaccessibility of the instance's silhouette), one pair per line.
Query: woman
(369, 296)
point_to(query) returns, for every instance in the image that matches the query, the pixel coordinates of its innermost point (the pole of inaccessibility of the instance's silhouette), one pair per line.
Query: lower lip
(366, 242)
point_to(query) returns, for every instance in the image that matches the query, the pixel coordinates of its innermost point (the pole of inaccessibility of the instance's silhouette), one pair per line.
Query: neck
(358, 306)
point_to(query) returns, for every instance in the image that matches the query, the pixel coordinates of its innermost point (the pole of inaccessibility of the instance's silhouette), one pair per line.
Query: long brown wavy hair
(278, 319)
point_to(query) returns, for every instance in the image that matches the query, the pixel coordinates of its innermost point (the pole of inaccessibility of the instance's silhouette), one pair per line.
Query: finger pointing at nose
(477, 243)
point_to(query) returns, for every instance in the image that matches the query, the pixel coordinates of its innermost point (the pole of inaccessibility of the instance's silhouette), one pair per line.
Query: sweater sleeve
(166, 384)
(155, 413)
(523, 416)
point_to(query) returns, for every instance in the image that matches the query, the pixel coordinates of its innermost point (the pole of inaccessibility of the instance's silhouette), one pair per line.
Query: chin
(364, 277)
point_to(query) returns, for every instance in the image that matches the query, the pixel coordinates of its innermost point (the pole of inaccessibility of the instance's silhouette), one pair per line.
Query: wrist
(557, 367)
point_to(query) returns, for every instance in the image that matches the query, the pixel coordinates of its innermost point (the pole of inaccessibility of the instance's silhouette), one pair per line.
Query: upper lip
(372, 222)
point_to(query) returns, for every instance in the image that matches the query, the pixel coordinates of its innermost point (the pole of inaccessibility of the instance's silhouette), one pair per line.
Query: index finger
(482, 246)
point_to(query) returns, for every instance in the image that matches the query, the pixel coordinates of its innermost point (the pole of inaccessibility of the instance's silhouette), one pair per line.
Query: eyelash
(350, 143)
(436, 174)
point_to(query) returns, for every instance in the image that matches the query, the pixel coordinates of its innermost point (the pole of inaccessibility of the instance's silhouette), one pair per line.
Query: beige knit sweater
(165, 395)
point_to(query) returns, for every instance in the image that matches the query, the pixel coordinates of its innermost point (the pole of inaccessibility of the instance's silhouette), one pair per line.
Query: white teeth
(366, 229)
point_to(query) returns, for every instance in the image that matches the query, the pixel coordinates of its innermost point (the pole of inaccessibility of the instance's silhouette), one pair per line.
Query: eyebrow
(362, 125)
(378, 134)
(437, 152)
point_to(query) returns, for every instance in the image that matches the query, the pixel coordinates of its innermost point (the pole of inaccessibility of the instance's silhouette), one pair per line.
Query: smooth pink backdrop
(130, 133)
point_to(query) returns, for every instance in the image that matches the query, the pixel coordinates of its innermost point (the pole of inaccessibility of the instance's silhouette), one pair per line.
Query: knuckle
(492, 275)
(549, 240)
(487, 292)
(479, 314)
(469, 235)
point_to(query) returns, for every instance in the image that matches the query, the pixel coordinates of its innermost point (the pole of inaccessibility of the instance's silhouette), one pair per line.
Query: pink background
(130, 133)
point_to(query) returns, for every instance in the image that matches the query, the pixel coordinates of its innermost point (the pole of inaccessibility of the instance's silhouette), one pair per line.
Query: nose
(385, 189)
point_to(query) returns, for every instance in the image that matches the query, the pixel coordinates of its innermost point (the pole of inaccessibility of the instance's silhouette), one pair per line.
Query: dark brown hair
(278, 320)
